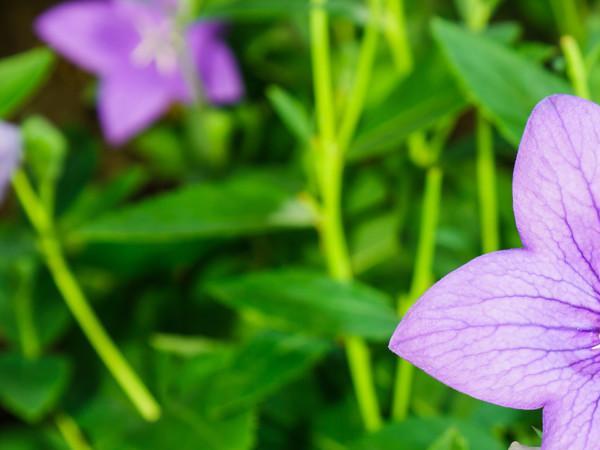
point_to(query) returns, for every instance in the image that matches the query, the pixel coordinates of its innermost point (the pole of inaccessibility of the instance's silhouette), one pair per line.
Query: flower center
(159, 44)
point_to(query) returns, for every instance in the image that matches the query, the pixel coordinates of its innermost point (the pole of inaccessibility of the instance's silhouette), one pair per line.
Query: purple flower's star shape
(10, 154)
(139, 54)
(521, 328)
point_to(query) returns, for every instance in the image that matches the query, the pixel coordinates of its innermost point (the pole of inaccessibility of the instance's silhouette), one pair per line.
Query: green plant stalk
(330, 166)
(70, 432)
(366, 59)
(77, 303)
(575, 66)
(486, 184)
(397, 37)
(566, 13)
(422, 277)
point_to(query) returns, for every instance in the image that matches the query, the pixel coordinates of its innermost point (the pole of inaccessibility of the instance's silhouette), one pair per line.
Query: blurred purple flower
(520, 328)
(138, 53)
(10, 154)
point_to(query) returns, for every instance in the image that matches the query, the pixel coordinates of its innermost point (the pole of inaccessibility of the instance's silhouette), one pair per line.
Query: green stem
(330, 160)
(575, 66)
(486, 183)
(70, 432)
(362, 80)
(422, 278)
(397, 36)
(77, 303)
(566, 13)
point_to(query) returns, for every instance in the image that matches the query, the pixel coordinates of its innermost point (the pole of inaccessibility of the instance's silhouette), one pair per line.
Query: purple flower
(520, 328)
(10, 154)
(139, 54)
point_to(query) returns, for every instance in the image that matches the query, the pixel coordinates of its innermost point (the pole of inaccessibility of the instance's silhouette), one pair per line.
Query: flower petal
(94, 34)
(572, 421)
(218, 68)
(507, 328)
(10, 153)
(557, 185)
(130, 101)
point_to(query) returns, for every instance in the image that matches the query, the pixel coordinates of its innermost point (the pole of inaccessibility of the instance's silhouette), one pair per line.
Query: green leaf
(427, 96)
(259, 368)
(31, 388)
(291, 112)
(263, 9)
(422, 434)
(17, 438)
(192, 432)
(110, 421)
(20, 76)
(302, 300)
(96, 200)
(504, 84)
(450, 440)
(242, 205)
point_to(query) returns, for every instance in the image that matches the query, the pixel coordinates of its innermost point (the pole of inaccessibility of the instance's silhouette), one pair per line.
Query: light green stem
(575, 66)
(70, 432)
(566, 13)
(77, 303)
(330, 166)
(397, 36)
(362, 80)
(422, 277)
(486, 183)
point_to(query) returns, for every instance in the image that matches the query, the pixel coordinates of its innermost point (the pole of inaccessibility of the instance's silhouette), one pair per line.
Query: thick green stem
(422, 277)
(397, 36)
(486, 183)
(566, 13)
(575, 66)
(77, 303)
(70, 432)
(330, 167)
(362, 80)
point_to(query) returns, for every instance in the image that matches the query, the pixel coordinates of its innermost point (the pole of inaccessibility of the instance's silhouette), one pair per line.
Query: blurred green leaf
(96, 200)
(309, 302)
(20, 76)
(259, 368)
(450, 440)
(191, 431)
(505, 85)
(427, 96)
(421, 434)
(14, 438)
(263, 9)
(30, 388)
(291, 112)
(245, 204)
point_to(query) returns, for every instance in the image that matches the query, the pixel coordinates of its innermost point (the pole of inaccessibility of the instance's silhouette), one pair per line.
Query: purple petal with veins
(10, 154)
(521, 328)
(138, 45)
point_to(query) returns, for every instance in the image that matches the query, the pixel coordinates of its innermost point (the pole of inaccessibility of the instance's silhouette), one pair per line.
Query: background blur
(220, 297)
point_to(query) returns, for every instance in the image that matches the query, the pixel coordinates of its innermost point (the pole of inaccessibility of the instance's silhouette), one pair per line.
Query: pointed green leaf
(307, 301)
(497, 79)
(20, 76)
(30, 388)
(242, 205)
